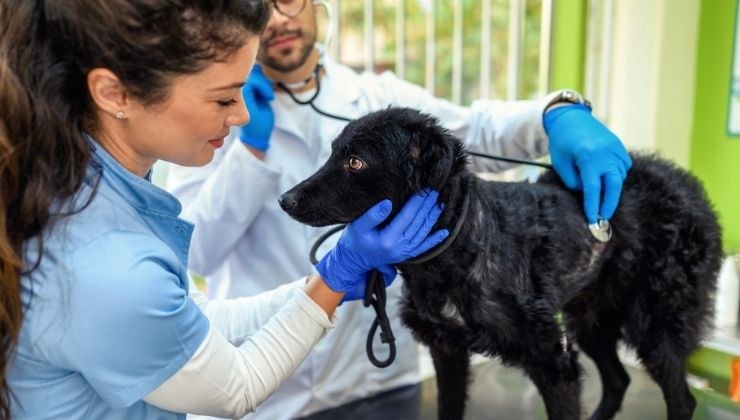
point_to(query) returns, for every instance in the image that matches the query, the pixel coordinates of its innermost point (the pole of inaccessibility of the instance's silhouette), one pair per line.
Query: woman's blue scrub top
(108, 317)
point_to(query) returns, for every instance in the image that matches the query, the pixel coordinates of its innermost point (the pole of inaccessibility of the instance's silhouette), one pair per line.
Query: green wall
(568, 46)
(715, 156)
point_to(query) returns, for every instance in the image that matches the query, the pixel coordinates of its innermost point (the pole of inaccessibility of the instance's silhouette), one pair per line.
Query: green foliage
(384, 21)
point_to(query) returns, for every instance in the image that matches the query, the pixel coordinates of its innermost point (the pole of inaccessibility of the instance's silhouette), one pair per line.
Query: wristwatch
(567, 95)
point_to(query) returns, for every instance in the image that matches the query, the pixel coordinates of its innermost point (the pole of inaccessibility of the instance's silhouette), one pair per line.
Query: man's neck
(298, 76)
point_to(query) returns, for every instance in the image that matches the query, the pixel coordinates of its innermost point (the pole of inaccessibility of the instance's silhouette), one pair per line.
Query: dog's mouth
(318, 220)
(313, 211)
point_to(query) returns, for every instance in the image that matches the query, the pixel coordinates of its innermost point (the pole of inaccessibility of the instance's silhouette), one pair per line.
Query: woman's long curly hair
(47, 48)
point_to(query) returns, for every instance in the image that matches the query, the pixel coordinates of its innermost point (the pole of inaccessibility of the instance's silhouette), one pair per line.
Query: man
(244, 243)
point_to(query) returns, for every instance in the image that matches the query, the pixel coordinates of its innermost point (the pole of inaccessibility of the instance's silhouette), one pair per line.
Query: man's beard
(278, 63)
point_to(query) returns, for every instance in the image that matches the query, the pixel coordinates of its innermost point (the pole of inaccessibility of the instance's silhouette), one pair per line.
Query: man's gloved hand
(587, 156)
(363, 246)
(257, 93)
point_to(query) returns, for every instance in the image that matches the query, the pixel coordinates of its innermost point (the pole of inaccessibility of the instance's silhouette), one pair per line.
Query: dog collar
(447, 242)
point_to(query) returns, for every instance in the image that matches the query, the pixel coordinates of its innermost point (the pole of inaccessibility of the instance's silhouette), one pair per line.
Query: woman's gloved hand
(363, 246)
(257, 93)
(389, 273)
(587, 156)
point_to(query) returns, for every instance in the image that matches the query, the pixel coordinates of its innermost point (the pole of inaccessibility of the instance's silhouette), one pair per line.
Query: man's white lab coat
(245, 244)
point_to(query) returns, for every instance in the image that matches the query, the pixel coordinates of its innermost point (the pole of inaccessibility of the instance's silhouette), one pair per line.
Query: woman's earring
(120, 115)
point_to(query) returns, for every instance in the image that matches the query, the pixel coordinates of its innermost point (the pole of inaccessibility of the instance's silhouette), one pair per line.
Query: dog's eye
(355, 164)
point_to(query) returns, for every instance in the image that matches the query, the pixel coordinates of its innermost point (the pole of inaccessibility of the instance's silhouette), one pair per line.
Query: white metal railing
(516, 41)
(598, 54)
(484, 80)
(430, 47)
(546, 30)
(598, 45)
(335, 45)
(457, 46)
(401, 38)
(514, 45)
(369, 36)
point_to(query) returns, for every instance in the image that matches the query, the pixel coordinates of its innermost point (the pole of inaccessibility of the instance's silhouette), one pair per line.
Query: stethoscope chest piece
(602, 230)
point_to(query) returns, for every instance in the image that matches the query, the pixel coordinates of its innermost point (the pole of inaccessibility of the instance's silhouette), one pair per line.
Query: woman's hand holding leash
(363, 246)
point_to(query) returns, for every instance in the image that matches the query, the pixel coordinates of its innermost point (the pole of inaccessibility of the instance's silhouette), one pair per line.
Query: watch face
(569, 96)
(574, 97)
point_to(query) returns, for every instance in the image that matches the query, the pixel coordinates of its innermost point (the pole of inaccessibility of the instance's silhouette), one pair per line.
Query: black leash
(375, 296)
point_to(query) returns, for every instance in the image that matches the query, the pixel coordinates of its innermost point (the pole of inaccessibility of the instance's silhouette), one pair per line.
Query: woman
(96, 321)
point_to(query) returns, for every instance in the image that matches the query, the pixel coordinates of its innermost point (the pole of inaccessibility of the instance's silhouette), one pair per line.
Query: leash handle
(375, 296)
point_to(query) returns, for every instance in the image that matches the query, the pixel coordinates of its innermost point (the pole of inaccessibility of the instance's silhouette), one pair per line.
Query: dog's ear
(434, 155)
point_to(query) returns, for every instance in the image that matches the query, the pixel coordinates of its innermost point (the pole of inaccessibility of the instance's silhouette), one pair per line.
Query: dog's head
(386, 154)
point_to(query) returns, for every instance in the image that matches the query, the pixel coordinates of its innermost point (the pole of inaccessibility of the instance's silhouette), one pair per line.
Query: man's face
(287, 42)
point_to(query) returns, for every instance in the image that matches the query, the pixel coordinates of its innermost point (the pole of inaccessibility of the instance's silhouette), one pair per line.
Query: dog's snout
(288, 200)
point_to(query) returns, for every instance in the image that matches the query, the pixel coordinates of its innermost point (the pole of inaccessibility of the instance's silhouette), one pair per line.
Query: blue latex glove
(363, 246)
(587, 156)
(257, 92)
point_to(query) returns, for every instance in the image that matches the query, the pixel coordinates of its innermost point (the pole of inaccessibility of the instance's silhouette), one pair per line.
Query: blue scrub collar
(138, 191)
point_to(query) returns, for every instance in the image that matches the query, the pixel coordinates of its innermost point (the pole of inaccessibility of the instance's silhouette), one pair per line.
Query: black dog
(524, 256)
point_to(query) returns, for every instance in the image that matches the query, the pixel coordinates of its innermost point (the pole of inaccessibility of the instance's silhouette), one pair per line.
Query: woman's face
(188, 126)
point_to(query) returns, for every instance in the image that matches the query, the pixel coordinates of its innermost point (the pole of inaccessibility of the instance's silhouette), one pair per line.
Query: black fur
(524, 253)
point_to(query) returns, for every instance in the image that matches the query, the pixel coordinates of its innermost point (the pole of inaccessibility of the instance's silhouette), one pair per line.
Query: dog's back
(665, 252)
(529, 253)
(664, 255)
(655, 285)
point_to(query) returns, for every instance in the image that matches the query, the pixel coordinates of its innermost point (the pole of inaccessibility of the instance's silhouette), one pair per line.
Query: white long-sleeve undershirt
(253, 345)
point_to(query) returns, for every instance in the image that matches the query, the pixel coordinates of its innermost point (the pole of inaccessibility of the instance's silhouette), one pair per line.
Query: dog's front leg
(557, 376)
(452, 381)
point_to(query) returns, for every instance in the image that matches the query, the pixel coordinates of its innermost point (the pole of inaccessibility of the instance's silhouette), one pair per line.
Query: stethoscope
(310, 101)
(375, 295)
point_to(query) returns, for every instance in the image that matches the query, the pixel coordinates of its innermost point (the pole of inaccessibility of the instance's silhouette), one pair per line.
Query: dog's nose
(287, 201)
